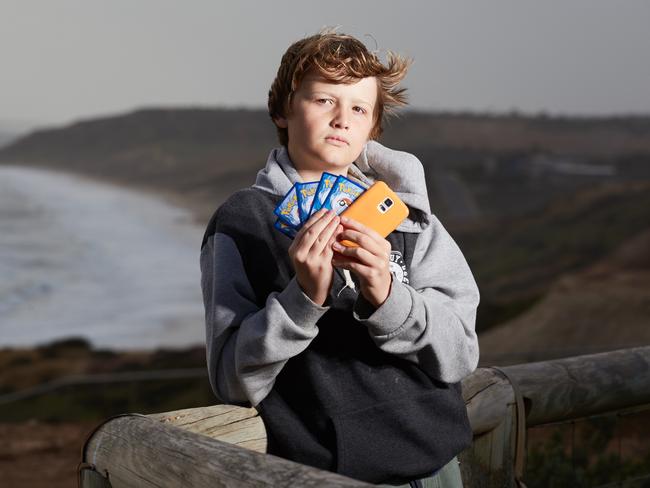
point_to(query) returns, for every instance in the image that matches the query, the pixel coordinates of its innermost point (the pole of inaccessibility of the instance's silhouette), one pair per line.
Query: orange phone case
(370, 210)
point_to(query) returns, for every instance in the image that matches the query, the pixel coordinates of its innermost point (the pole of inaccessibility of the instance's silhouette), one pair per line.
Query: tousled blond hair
(338, 58)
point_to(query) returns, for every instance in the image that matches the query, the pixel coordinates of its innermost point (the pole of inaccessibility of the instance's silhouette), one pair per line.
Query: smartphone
(378, 208)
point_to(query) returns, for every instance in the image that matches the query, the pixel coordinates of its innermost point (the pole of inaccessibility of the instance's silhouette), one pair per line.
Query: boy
(352, 356)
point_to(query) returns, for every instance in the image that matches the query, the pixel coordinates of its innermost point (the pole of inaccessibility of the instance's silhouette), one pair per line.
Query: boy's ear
(281, 122)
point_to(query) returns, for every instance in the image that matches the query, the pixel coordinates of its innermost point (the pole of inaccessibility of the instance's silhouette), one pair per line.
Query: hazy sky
(68, 59)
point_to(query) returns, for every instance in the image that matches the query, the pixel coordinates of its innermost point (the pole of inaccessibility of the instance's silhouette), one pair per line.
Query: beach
(80, 258)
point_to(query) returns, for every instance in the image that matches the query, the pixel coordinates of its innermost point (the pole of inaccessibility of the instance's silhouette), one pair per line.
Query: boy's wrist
(298, 306)
(390, 315)
(316, 298)
(377, 295)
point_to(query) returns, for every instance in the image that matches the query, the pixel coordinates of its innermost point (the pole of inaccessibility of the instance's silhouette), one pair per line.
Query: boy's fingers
(312, 220)
(351, 265)
(357, 254)
(364, 240)
(356, 225)
(316, 216)
(313, 227)
(324, 240)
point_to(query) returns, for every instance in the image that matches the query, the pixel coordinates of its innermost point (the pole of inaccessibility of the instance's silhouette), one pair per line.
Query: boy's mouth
(337, 139)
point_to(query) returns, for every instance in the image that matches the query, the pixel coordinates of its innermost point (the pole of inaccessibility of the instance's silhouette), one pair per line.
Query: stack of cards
(304, 199)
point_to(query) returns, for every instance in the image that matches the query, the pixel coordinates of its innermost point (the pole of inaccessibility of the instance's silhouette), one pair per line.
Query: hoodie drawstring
(348, 282)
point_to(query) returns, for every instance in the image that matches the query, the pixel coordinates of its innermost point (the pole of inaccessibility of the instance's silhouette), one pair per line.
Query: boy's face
(329, 123)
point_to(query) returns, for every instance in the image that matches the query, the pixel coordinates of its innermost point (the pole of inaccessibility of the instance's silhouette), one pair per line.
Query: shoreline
(198, 206)
(86, 257)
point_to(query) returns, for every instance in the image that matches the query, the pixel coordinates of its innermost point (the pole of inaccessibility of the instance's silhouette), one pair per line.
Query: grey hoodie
(427, 319)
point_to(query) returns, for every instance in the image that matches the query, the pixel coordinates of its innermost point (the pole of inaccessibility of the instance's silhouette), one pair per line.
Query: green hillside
(516, 260)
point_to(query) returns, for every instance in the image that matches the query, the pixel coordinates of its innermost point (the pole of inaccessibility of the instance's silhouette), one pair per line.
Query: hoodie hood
(401, 171)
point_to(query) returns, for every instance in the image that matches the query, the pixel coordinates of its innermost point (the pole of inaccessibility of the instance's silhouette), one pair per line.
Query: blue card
(285, 228)
(343, 193)
(325, 185)
(287, 209)
(306, 193)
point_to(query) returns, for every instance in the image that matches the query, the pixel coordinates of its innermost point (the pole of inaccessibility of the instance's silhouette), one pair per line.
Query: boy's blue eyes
(357, 109)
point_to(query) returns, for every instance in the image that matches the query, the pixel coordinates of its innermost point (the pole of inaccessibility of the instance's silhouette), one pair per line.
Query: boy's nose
(340, 121)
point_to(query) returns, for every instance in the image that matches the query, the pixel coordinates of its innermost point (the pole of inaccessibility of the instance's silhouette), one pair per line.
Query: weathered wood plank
(487, 397)
(165, 450)
(581, 386)
(488, 463)
(137, 451)
(222, 413)
(228, 423)
(89, 478)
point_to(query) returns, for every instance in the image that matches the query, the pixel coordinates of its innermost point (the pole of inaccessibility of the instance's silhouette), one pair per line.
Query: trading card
(343, 193)
(285, 228)
(306, 193)
(287, 209)
(324, 187)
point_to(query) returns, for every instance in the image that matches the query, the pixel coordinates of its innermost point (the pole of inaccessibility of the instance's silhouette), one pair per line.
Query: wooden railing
(225, 446)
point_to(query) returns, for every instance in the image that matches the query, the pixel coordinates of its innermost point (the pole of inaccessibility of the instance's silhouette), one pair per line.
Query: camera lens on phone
(388, 202)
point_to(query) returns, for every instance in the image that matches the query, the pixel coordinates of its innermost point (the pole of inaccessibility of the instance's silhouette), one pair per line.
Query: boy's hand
(369, 261)
(311, 254)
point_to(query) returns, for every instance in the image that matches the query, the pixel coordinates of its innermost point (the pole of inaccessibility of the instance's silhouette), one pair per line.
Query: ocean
(79, 258)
